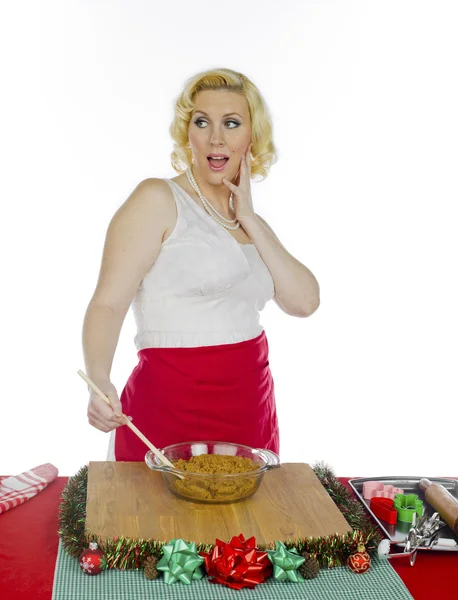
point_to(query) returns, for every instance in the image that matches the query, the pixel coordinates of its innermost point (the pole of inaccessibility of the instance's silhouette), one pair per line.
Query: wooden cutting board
(128, 499)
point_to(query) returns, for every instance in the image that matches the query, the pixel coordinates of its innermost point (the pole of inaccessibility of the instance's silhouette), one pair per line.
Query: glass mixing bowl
(206, 487)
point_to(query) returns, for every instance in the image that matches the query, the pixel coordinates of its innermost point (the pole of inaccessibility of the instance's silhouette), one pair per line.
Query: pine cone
(150, 567)
(310, 568)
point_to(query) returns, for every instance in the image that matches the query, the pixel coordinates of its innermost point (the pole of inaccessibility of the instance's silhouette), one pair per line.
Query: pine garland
(127, 553)
(364, 529)
(72, 514)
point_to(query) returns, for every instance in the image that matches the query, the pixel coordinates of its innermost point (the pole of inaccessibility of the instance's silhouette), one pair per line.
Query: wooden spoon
(137, 432)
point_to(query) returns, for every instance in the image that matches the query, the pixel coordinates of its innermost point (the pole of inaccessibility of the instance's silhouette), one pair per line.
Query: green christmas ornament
(286, 563)
(180, 562)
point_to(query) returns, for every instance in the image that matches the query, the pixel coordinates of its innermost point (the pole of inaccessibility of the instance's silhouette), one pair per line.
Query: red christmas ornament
(360, 561)
(238, 564)
(90, 560)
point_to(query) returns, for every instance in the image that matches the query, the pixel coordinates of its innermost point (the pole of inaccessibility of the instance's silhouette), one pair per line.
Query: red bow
(237, 564)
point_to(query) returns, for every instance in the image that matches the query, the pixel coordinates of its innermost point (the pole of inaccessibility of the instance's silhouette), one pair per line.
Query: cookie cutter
(408, 505)
(384, 509)
(379, 490)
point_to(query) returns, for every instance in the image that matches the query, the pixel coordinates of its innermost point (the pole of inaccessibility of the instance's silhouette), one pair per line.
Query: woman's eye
(197, 121)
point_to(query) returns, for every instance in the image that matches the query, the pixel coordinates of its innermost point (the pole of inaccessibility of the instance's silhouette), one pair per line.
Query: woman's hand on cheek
(241, 192)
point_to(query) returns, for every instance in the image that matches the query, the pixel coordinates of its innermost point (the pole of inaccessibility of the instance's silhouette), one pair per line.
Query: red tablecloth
(28, 550)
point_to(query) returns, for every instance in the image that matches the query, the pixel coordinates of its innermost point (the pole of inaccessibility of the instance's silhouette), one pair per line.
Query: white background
(363, 97)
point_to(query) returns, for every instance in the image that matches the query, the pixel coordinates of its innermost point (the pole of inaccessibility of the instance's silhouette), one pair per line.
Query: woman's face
(220, 124)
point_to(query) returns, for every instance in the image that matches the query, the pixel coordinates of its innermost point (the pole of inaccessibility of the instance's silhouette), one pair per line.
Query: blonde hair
(263, 149)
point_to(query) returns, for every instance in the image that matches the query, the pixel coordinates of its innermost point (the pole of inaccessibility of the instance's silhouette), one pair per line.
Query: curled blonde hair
(263, 150)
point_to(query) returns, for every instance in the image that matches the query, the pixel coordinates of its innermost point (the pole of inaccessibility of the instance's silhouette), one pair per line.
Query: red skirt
(223, 393)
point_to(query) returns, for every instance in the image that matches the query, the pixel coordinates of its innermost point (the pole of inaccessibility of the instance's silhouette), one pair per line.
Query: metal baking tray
(398, 532)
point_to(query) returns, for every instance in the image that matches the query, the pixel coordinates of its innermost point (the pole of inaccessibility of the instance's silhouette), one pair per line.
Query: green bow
(180, 562)
(286, 562)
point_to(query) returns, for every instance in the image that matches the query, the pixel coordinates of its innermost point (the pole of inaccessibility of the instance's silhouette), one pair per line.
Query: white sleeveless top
(204, 288)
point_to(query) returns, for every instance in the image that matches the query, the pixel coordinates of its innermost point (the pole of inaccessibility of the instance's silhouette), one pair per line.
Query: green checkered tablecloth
(381, 582)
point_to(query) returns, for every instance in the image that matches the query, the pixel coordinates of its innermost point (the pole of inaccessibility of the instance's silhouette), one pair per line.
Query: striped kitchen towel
(16, 490)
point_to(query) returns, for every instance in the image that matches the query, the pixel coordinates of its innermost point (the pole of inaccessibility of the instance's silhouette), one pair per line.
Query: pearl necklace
(211, 210)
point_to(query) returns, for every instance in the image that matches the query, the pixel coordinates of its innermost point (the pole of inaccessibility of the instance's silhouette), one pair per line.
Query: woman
(197, 264)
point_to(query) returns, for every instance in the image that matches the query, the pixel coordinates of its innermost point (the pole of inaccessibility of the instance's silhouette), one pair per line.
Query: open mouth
(217, 164)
